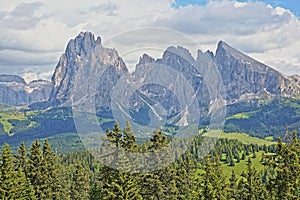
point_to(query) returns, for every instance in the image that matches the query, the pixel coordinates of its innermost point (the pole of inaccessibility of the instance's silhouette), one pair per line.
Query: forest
(38, 172)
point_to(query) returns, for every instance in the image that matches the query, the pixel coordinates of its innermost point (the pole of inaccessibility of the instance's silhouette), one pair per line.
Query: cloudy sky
(34, 33)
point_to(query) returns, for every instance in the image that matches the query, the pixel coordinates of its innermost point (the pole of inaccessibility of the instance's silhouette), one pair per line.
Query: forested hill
(38, 172)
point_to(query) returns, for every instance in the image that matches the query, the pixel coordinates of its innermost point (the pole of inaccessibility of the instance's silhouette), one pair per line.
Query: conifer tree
(212, 185)
(118, 184)
(185, 176)
(253, 186)
(151, 186)
(232, 189)
(128, 142)
(52, 173)
(243, 156)
(22, 159)
(80, 184)
(36, 171)
(284, 182)
(13, 183)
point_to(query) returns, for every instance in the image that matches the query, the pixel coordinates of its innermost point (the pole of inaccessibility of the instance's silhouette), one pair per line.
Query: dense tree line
(39, 173)
(264, 120)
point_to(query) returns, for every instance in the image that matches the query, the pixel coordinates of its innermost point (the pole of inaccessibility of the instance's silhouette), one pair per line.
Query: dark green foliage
(18, 125)
(251, 186)
(232, 188)
(266, 120)
(80, 184)
(36, 170)
(284, 177)
(129, 140)
(13, 183)
(41, 174)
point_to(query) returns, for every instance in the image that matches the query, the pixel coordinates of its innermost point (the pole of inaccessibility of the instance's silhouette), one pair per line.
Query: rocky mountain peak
(223, 49)
(85, 58)
(145, 59)
(83, 43)
(229, 53)
(242, 75)
(178, 52)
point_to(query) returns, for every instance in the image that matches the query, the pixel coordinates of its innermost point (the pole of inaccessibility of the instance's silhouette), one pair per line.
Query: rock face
(14, 91)
(172, 83)
(243, 75)
(86, 70)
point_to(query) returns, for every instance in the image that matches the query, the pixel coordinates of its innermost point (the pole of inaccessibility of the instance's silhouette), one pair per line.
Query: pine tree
(13, 183)
(158, 160)
(232, 189)
(151, 186)
(80, 184)
(23, 186)
(128, 142)
(113, 183)
(243, 156)
(253, 186)
(284, 182)
(36, 171)
(115, 136)
(231, 160)
(168, 178)
(7, 174)
(22, 159)
(185, 177)
(212, 185)
(52, 173)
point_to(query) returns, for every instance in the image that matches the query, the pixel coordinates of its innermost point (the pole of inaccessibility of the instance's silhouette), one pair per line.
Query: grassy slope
(5, 116)
(244, 138)
(242, 165)
(14, 114)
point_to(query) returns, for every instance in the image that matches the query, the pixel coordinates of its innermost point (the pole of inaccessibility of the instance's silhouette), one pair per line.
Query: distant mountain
(177, 88)
(14, 91)
(87, 73)
(11, 78)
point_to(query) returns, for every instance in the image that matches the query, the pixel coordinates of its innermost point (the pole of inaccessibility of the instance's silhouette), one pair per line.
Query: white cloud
(30, 76)
(288, 67)
(36, 32)
(22, 16)
(108, 8)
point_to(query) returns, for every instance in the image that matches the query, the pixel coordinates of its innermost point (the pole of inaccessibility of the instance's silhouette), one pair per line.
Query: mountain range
(92, 77)
(241, 75)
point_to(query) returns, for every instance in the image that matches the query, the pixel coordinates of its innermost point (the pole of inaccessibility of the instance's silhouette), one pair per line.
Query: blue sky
(292, 5)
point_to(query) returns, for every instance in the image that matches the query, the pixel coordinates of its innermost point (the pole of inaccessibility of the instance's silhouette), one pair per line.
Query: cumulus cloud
(22, 16)
(36, 33)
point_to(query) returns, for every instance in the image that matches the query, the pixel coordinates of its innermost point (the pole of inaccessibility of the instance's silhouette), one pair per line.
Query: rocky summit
(86, 69)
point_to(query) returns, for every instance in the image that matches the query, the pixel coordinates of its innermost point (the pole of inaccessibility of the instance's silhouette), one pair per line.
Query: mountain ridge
(92, 78)
(14, 90)
(240, 74)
